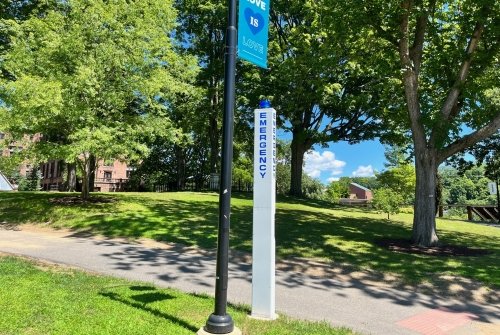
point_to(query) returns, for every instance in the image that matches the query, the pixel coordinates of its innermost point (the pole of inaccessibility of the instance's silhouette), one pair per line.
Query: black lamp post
(498, 199)
(219, 322)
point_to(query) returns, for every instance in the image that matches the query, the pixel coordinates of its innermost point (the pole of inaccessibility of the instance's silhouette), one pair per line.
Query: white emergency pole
(264, 209)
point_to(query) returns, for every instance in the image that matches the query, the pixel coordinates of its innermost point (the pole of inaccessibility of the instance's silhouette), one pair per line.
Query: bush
(31, 182)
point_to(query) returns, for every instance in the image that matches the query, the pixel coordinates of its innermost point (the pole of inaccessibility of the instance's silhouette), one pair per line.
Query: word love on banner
(253, 28)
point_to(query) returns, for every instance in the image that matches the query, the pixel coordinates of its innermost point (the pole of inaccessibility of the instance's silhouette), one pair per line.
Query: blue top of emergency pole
(265, 104)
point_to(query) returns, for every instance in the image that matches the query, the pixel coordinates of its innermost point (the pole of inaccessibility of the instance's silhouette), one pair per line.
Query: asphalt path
(341, 300)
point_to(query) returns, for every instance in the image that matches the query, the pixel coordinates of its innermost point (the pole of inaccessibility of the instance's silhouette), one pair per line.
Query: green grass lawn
(307, 229)
(37, 298)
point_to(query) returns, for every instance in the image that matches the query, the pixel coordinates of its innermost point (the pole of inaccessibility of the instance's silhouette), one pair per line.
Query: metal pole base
(219, 324)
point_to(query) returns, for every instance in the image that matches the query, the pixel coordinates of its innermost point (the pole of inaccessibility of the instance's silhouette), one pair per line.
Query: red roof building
(357, 191)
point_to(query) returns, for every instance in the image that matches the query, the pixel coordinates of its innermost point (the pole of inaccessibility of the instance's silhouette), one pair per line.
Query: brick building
(111, 176)
(12, 147)
(357, 191)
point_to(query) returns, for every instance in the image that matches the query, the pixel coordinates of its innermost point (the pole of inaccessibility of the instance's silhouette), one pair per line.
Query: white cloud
(364, 171)
(316, 163)
(329, 180)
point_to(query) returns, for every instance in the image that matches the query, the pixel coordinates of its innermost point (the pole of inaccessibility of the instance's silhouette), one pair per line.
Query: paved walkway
(342, 299)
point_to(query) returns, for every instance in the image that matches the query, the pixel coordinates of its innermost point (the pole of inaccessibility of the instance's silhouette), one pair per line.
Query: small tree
(31, 182)
(387, 201)
(338, 189)
(400, 179)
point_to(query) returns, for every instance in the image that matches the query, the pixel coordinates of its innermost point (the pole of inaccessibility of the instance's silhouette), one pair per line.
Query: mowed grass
(304, 228)
(38, 298)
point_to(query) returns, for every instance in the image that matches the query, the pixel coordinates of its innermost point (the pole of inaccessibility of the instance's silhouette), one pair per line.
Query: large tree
(445, 56)
(316, 82)
(96, 78)
(202, 27)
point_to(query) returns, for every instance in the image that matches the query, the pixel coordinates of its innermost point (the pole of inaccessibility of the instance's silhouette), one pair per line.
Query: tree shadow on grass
(237, 307)
(43, 207)
(181, 266)
(141, 302)
(299, 233)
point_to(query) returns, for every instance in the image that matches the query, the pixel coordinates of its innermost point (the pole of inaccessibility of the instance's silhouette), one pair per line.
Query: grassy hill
(306, 229)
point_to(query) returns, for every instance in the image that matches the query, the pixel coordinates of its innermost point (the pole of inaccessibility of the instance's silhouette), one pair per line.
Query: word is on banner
(253, 28)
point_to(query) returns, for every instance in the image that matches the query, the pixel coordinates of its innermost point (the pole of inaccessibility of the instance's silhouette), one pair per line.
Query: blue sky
(341, 159)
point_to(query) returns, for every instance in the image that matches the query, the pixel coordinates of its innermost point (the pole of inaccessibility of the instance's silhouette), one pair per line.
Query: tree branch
(416, 50)
(410, 78)
(452, 97)
(469, 140)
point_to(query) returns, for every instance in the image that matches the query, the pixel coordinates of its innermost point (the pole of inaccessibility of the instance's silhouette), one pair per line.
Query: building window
(107, 175)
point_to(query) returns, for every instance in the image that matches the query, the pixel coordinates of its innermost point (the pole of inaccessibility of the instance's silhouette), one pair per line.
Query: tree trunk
(92, 169)
(180, 158)
(71, 177)
(213, 134)
(298, 151)
(439, 193)
(424, 219)
(85, 180)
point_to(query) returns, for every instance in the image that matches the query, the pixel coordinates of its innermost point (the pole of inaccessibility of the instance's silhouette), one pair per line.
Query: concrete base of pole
(236, 331)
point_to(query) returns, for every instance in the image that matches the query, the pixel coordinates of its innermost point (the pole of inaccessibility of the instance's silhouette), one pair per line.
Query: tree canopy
(96, 78)
(443, 56)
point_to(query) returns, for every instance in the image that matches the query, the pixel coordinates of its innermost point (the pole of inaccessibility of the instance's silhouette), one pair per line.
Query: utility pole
(219, 322)
(498, 199)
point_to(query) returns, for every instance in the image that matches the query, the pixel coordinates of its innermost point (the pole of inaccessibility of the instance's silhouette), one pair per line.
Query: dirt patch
(80, 201)
(405, 246)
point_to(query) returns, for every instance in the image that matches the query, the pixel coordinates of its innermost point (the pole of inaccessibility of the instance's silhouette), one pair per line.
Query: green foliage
(316, 82)
(338, 189)
(395, 155)
(312, 188)
(202, 32)
(439, 59)
(243, 170)
(400, 179)
(485, 152)
(388, 201)
(95, 78)
(9, 165)
(282, 178)
(31, 182)
(469, 187)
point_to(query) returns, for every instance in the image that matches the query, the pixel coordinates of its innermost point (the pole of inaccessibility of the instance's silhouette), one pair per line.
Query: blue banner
(253, 28)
